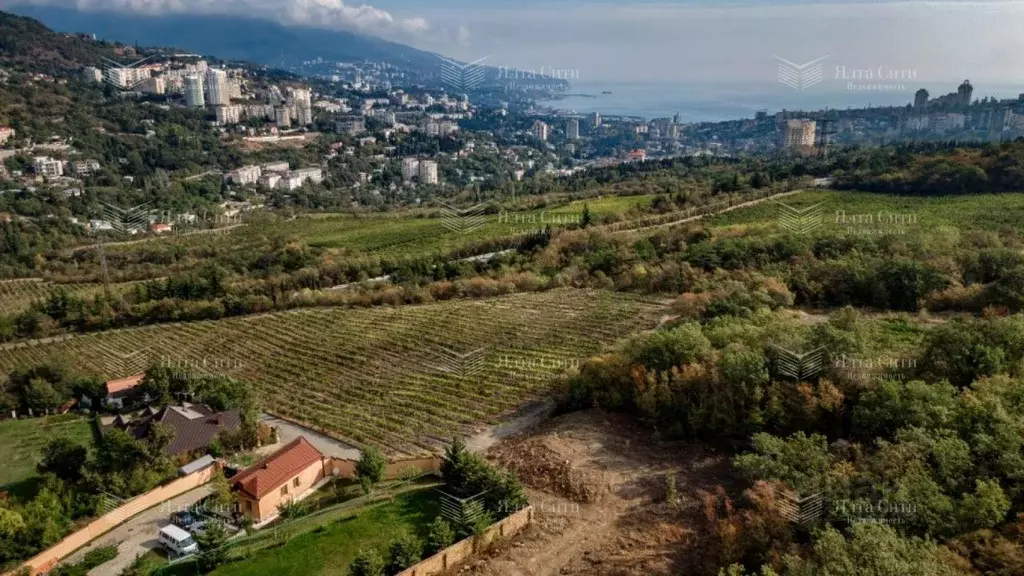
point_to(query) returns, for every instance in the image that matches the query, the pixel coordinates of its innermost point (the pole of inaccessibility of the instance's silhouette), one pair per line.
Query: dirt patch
(597, 483)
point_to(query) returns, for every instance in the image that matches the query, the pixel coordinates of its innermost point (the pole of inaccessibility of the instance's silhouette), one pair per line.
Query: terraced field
(404, 379)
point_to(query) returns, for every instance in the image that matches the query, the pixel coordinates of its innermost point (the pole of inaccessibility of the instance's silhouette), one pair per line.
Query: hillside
(231, 37)
(26, 44)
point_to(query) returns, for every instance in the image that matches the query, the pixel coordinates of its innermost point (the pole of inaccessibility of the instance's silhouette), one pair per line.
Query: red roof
(278, 468)
(115, 386)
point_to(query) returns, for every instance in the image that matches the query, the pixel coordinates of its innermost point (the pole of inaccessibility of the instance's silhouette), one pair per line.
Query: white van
(178, 541)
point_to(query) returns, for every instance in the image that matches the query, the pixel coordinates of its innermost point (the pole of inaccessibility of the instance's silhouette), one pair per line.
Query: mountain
(28, 45)
(232, 37)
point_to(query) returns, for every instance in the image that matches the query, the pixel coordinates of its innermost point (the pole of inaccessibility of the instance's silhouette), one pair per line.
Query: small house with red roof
(278, 479)
(122, 390)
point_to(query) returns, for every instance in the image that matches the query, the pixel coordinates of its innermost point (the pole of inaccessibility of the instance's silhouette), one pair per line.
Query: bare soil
(597, 484)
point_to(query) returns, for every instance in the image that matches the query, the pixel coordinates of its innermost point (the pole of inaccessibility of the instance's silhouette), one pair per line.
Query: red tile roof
(115, 386)
(278, 468)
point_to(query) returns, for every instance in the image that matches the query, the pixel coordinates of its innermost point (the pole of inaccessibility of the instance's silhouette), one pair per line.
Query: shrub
(405, 552)
(440, 536)
(367, 563)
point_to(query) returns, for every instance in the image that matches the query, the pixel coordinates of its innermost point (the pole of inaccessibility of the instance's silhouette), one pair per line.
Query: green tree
(439, 535)
(63, 458)
(212, 549)
(404, 552)
(370, 468)
(367, 563)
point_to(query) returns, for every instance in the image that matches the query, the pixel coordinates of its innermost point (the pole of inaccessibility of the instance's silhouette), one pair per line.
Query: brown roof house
(122, 391)
(282, 477)
(195, 426)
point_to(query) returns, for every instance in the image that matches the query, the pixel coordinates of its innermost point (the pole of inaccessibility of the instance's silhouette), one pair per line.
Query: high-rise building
(965, 91)
(127, 78)
(283, 116)
(217, 87)
(921, 99)
(572, 129)
(675, 118)
(228, 114)
(799, 135)
(596, 118)
(194, 91)
(428, 172)
(540, 131)
(410, 168)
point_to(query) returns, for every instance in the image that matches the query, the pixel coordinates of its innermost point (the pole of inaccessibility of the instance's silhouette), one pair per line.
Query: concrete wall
(415, 466)
(460, 551)
(48, 559)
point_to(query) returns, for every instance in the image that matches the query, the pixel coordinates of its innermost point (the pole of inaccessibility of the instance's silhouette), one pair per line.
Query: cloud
(317, 13)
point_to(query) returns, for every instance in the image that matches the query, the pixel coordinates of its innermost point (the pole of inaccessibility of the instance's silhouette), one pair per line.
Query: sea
(720, 102)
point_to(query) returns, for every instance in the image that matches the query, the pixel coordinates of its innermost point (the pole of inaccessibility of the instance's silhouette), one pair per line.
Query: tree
(370, 468)
(212, 550)
(439, 536)
(223, 500)
(63, 458)
(367, 563)
(587, 218)
(404, 552)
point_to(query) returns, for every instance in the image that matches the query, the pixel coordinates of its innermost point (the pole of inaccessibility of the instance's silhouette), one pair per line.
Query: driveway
(139, 535)
(288, 431)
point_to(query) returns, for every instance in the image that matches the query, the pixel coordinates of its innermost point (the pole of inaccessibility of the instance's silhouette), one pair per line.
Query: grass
(989, 212)
(418, 236)
(403, 379)
(328, 550)
(22, 442)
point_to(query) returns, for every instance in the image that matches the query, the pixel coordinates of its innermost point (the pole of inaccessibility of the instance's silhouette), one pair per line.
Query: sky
(927, 43)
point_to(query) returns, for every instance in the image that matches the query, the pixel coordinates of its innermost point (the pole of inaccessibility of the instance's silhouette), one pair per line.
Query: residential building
(428, 172)
(245, 175)
(947, 122)
(270, 180)
(351, 126)
(410, 168)
(283, 116)
(153, 85)
(315, 175)
(572, 129)
(282, 477)
(217, 88)
(84, 167)
(195, 426)
(637, 155)
(921, 99)
(228, 115)
(46, 166)
(194, 91)
(540, 131)
(92, 74)
(127, 78)
(123, 390)
(965, 92)
(799, 135)
(276, 167)
(6, 134)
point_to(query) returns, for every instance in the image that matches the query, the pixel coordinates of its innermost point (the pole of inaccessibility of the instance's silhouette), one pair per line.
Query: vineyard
(17, 295)
(404, 379)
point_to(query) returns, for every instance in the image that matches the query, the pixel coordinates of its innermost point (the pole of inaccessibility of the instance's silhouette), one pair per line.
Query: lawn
(22, 442)
(329, 551)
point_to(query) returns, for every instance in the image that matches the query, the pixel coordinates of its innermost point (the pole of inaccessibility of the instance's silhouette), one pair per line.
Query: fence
(48, 559)
(460, 551)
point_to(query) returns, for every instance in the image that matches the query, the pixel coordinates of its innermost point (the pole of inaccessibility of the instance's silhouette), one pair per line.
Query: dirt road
(138, 535)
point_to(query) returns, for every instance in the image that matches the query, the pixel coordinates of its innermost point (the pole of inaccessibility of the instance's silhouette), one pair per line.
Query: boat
(606, 92)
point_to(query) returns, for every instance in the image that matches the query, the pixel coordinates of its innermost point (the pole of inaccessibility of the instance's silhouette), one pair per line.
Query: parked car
(183, 519)
(197, 528)
(177, 541)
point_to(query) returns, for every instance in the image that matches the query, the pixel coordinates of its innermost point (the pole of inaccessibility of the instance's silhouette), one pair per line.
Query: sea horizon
(734, 101)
